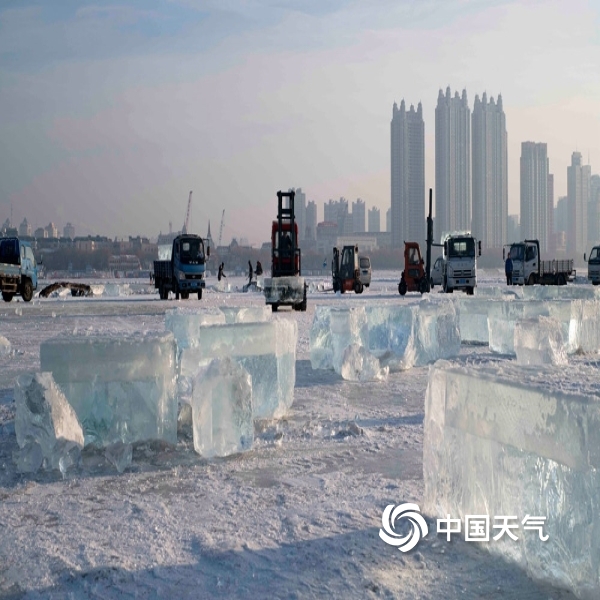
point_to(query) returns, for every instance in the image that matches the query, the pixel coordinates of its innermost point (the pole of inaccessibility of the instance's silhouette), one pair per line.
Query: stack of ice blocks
(267, 350)
(121, 388)
(509, 440)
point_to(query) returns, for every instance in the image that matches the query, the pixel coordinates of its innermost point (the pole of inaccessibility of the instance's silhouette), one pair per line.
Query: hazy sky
(112, 112)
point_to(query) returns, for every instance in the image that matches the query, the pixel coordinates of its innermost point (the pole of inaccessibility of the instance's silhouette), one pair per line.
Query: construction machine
(414, 276)
(286, 286)
(345, 270)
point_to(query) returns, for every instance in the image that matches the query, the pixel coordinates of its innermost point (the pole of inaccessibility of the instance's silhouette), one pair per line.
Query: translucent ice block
(222, 409)
(510, 440)
(185, 323)
(266, 350)
(284, 289)
(436, 331)
(473, 319)
(358, 364)
(348, 326)
(246, 314)
(321, 343)
(121, 387)
(539, 341)
(44, 416)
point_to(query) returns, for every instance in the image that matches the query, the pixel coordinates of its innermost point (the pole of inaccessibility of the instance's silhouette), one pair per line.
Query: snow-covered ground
(298, 516)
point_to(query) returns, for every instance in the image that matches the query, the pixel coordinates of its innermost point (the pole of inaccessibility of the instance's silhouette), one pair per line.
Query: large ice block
(320, 341)
(45, 417)
(539, 341)
(121, 387)
(561, 292)
(473, 319)
(358, 364)
(437, 332)
(284, 289)
(246, 314)
(348, 326)
(511, 440)
(266, 350)
(222, 415)
(185, 323)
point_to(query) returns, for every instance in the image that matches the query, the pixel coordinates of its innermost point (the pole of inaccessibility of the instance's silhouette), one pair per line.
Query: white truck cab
(460, 262)
(593, 265)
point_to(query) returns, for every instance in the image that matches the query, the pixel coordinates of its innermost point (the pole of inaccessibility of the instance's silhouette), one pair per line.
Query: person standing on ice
(250, 272)
(508, 270)
(259, 269)
(220, 275)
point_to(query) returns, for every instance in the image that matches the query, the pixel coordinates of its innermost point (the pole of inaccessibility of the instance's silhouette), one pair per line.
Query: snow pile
(507, 441)
(48, 431)
(121, 388)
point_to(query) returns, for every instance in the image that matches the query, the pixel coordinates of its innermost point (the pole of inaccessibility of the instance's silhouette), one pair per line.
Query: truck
(459, 262)
(593, 265)
(18, 269)
(349, 270)
(529, 269)
(184, 272)
(286, 286)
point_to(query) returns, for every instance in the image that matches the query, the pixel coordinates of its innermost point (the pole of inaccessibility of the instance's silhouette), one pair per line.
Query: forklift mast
(285, 253)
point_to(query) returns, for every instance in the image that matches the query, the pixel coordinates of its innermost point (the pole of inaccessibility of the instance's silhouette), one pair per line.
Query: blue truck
(184, 272)
(18, 269)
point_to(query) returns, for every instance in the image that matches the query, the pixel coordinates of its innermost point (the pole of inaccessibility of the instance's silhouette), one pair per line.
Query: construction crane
(221, 229)
(186, 223)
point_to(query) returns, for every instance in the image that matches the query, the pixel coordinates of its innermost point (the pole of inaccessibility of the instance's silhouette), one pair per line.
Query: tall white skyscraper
(535, 215)
(578, 192)
(452, 163)
(408, 175)
(311, 221)
(489, 164)
(358, 216)
(300, 212)
(374, 220)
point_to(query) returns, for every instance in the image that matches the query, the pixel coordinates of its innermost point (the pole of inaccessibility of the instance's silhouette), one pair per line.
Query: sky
(113, 112)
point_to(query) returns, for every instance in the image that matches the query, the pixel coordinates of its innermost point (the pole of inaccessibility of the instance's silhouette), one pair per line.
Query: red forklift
(414, 276)
(345, 270)
(286, 287)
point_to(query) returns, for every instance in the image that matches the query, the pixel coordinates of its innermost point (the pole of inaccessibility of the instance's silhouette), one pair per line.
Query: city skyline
(113, 113)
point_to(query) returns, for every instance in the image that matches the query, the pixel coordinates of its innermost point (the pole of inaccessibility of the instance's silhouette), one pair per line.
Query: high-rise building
(300, 211)
(561, 214)
(513, 230)
(388, 220)
(408, 175)
(69, 230)
(535, 220)
(374, 220)
(578, 192)
(25, 229)
(594, 211)
(311, 221)
(358, 216)
(489, 164)
(52, 230)
(452, 163)
(551, 236)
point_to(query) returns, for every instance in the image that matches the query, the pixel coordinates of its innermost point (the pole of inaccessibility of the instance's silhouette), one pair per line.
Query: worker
(250, 272)
(508, 270)
(259, 269)
(221, 274)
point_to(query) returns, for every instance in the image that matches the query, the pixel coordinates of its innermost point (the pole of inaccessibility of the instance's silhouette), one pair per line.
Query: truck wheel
(200, 294)
(7, 296)
(402, 287)
(274, 307)
(358, 287)
(185, 295)
(447, 290)
(561, 280)
(176, 292)
(469, 291)
(164, 294)
(423, 286)
(27, 290)
(531, 279)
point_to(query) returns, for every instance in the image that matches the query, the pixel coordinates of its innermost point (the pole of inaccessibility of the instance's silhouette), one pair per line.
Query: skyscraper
(300, 212)
(374, 220)
(311, 221)
(408, 175)
(578, 192)
(535, 217)
(594, 211)
(489, 164)
(358, 216)
(452, 163)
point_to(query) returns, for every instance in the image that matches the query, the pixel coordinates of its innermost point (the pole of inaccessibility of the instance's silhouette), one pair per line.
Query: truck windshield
(461, 247)
(595, 255)
(192, 252)
(517, 252)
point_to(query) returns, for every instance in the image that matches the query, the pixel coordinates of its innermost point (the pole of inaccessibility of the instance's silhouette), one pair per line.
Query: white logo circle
(418, 529)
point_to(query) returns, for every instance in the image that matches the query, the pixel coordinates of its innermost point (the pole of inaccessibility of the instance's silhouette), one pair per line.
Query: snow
(297, 516)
